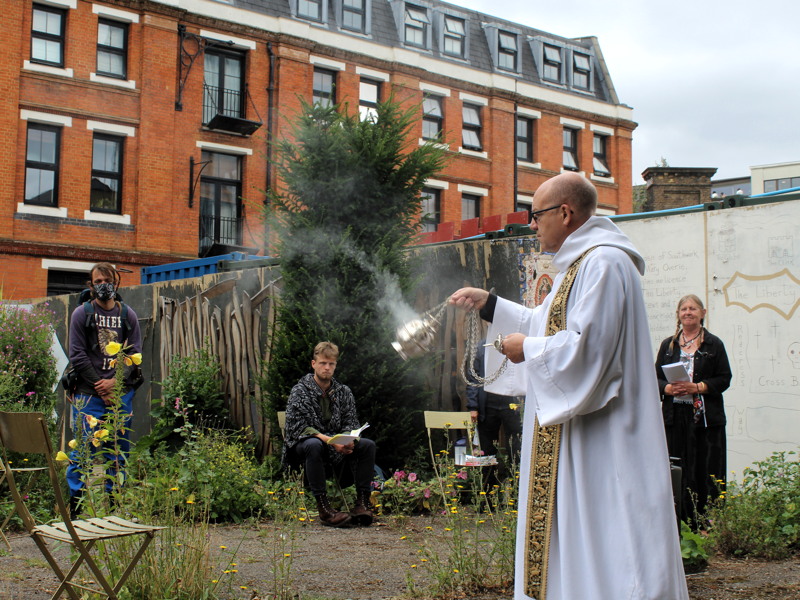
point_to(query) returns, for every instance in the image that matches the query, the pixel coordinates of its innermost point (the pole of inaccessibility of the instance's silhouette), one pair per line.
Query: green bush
(191, 394)
(28, 373)
(761, 515)
(213, 467)
(693, 550)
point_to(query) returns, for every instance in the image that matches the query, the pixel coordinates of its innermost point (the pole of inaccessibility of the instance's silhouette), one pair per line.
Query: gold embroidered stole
(543, 472)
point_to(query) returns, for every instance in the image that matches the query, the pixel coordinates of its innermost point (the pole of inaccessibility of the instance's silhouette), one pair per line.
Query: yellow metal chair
(451, 420)
(26, 433)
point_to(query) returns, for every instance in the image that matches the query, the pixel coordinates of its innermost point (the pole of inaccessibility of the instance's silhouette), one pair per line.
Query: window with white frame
(507, 51)
(432, 117)
(112, 49)
(310, 9)
(570, 153)
(525, 139)
(552, 63)
(455, 34)
(48, 31)
(416, 27)
(42, 164)
(324, 87)
(600, 160)
(369, 95)
(354, 15)
(785, 183)
(430, 209)
(471, 127)
(470, 206)
(581, 71)
(106, 188)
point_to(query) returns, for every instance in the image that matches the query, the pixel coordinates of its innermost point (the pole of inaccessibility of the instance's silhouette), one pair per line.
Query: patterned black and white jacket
(303, 411)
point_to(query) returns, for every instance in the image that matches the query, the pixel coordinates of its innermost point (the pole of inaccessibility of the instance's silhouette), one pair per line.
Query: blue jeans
(95, 407)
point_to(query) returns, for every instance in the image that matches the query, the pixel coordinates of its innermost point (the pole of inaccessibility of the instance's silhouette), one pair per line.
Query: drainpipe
(270, 136)
(516, 168)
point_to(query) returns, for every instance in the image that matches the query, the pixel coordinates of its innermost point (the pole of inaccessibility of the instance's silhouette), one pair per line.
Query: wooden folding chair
(27, 433)
(453, 420)
(31, 471)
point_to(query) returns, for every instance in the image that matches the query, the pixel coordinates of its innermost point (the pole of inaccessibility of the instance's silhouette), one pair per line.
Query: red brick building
(136, 130)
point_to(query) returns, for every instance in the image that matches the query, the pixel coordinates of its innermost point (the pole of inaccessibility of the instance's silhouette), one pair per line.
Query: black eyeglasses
(535, 214)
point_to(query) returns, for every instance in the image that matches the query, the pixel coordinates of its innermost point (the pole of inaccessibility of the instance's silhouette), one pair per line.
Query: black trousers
(313, 455)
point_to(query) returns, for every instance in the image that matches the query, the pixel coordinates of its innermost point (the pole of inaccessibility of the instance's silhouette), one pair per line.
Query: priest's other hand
(469, 298)
(512, 347)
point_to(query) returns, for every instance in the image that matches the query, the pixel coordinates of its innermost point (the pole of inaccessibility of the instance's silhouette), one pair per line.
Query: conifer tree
(348, 206)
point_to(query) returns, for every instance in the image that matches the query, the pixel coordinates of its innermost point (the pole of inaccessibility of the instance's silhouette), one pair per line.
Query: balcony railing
(221, 232)
(224, 109)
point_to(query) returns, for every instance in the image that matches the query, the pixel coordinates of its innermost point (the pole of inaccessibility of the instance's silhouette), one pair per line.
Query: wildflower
(461, 474)
(73, 444)
(96, 443)
(412, 477)
(137, 358)
(101, 434)
(403, 537)
(426, 493)
(61, 456)
(113, 348)
(173, 489)
(29, 394)
(455, 570)
(92, 421)
(287, 554)
(128, 361)
(513, 406)
(223, 547)
(413, 566)
(399, 476)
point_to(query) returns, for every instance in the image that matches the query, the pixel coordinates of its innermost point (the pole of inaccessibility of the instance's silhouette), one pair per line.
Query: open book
(346, 438)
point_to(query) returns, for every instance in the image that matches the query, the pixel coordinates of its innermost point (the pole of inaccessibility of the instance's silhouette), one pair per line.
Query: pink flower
(427, 493)
(177, 403)
(399, 476)
(30, 394)
(461, 474)
(412, 477)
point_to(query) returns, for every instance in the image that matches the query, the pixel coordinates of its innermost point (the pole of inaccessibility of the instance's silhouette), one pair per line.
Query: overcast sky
(712, 83)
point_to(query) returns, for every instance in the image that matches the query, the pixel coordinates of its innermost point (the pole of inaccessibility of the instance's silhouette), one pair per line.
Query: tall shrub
(28, 369)
(348, 207)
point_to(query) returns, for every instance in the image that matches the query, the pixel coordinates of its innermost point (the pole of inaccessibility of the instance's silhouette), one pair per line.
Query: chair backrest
(22, 432)
(282, 422)
(435, 419)
(26, 433)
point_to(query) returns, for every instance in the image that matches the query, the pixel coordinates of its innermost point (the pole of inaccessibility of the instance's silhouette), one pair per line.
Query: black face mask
(104, 291)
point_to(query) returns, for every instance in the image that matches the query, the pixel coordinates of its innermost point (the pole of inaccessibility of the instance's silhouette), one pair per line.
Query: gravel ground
(374, 563)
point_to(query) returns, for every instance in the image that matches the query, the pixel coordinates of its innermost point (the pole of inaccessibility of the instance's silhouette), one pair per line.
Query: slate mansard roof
(385, 27)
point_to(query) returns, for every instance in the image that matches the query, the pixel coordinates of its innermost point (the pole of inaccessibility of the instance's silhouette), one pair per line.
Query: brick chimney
(673, 187)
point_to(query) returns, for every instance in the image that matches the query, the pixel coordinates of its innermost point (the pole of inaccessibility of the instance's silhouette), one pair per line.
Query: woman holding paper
(692, 405)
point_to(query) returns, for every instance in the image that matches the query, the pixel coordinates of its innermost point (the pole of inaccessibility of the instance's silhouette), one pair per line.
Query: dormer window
(309, 9)
(551, 63)
(354, 15)
(581, 70)
(507, 51)
(416, 26)
(455, 34)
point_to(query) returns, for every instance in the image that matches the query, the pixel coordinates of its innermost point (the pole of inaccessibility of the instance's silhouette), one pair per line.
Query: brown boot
(328, 516)
(362, 511)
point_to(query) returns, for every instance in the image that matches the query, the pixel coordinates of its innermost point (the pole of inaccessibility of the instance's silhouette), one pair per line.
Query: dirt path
(374, 563)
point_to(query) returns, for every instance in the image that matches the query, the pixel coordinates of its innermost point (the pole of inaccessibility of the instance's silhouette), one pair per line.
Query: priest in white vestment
(613, 533)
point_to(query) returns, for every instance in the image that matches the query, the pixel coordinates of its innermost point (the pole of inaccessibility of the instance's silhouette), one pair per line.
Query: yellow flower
(61, 456)
(403, 537)
(223, 547)
(173, 489)
(101, 434)
(96, 443)
(137, 358)
(455, 570)
(113, 348)
(286, 555)
(73, 444)
(92, 421)
(128, 361)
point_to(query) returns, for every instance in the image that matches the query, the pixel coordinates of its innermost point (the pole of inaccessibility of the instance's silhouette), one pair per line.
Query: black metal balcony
(224, 109)
(220, 235)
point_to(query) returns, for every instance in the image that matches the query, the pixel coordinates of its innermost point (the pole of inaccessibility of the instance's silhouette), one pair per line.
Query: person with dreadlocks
(694, 412)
